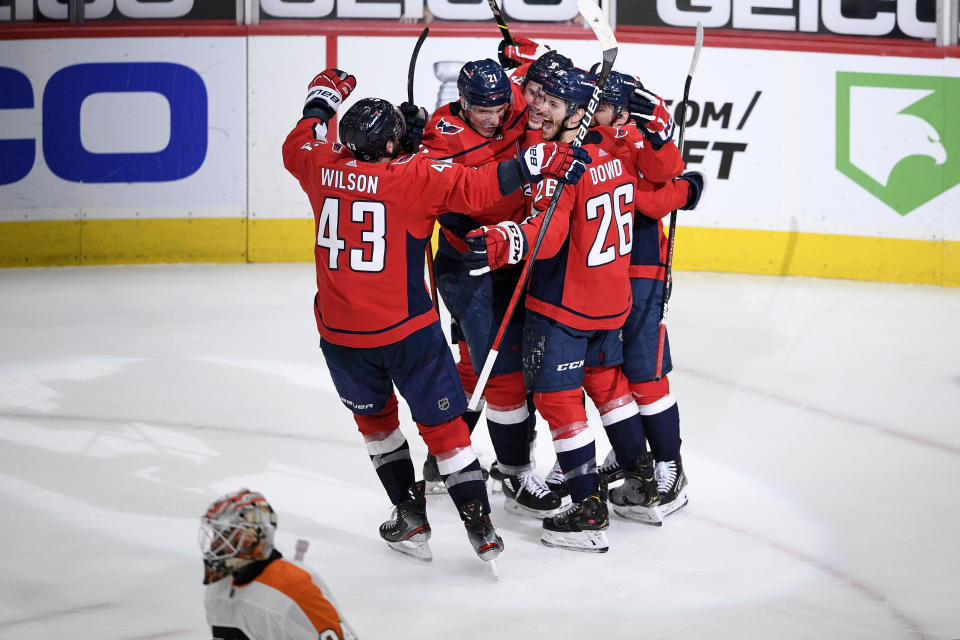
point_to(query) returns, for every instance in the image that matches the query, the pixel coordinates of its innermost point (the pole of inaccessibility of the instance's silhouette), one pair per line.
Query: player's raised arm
(325, 93)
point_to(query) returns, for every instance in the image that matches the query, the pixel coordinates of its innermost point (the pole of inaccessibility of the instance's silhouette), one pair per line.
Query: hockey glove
(326, 93)
(697, 182)
(554, 160)
(416, 119)
(494, 247)
(524, 51)
(653, 118)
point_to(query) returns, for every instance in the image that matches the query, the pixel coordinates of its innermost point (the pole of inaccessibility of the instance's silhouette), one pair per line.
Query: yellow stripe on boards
(282, 240)
(816, 255)
(75, 242)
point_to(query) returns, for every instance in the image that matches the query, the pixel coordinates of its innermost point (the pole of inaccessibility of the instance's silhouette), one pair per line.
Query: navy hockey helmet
(546, 63)
(483, 83)
(617, 89)
(367, 126)
(573, 85)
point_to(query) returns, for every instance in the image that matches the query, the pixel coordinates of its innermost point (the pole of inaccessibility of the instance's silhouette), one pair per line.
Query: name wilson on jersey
(351, 182)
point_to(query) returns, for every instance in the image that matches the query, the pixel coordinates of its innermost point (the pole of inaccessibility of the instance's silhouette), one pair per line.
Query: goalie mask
(236, 529)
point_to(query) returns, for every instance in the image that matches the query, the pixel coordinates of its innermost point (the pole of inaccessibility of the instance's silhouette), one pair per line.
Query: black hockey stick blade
(413, 62)
(498, 16)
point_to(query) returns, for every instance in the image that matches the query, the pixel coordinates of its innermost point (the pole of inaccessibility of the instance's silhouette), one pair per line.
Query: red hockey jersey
(660, 196)
(580, 275)
(372, 223)
(449, 137)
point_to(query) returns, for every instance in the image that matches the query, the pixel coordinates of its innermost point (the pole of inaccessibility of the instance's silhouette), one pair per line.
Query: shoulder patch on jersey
(352, 163)
(447, 128)
(621, 133)
(337, 147)
(593, 137)
(405, 159)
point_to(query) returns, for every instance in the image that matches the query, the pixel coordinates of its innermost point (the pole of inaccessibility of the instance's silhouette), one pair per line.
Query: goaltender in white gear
(252, 592)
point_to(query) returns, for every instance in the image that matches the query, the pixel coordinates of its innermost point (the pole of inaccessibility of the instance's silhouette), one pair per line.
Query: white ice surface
(820, 426)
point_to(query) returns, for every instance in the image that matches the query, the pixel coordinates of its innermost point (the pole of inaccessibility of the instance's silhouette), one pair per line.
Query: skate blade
(495, 486)
(646, 515)
(675, 505)
(417, 549)
(587, 541)
(494, 570)
(515, 507)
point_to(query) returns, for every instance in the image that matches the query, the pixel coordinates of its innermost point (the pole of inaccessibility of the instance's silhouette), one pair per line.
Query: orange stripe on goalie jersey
(296, 584)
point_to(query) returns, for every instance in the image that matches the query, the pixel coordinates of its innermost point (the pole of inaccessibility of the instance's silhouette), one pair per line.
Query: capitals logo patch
(448, 129)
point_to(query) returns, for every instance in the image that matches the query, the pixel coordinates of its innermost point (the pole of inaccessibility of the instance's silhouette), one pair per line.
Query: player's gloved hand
(524, 51)
(416, 119)
(697, 182)
(326, 93)
(653, 118)
(554, 160)
(494, 247)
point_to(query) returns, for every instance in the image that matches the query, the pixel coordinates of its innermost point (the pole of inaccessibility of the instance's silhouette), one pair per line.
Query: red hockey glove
(524, 51)
(326, 93)
(494, 247)
(415, 119)
(653, 118)
(554, 160)
(697, 181)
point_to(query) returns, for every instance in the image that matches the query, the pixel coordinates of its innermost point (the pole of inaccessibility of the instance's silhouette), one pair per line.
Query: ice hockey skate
(580, 527)
(638, 497)
(431, 476)
(480, 531)
(528, 495)
(408, 531)
(672, 486)
(611, 468)
(555, 481)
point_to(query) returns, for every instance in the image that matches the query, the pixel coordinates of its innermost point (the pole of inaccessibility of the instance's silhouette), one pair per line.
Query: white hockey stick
(668, 267)
(594, 17)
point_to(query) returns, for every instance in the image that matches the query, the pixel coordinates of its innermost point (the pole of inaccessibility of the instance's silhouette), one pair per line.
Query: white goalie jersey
(286, 601)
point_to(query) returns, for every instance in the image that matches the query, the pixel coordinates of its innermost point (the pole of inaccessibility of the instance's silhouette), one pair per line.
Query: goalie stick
(428, 251)
(593, 16)
(668, 268)
(498, 15)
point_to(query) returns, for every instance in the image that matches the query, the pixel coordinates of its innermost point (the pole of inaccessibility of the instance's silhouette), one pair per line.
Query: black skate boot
(672, 486)
(581, 526)
(528, 495)
(480, 531)
(496, 477)
(556, 483)
(431, 476)
(611, 468)
(638, 497)
(408, 531)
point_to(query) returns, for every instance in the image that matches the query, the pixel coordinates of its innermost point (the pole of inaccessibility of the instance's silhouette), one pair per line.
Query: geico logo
(566, 366)
(78, 154)
(96, 9)
(804, 15)
(532, 10)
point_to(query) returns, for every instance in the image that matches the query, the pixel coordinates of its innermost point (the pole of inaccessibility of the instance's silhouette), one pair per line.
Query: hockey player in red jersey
(252, 592)
(374, 212)
(578, 299)
(643, 115)
(464, 132)
(530, 62)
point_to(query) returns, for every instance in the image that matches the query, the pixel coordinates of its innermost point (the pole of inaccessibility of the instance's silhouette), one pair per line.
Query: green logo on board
(898, 136)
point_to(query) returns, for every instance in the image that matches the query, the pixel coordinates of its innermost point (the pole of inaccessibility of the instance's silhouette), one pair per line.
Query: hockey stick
(668, 268)
(428, 251)
(594, 17)
(498, 15)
